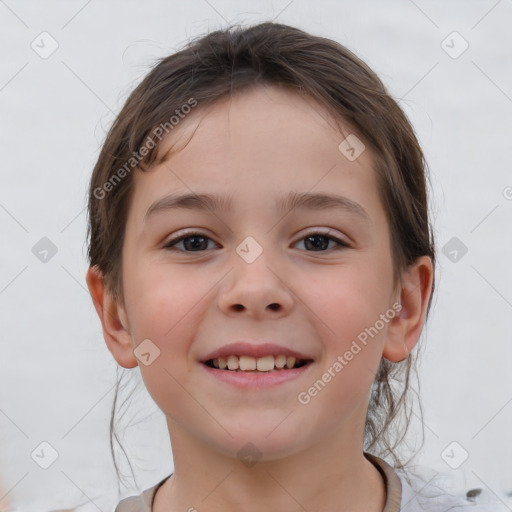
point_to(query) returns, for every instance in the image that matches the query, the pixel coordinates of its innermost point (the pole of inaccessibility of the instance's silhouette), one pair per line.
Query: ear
(405, 328)
(114, 320)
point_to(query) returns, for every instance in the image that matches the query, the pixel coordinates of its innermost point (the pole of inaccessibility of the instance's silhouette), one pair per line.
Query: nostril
(239, 307)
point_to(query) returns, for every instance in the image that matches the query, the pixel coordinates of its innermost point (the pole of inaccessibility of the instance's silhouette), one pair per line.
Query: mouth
(257, 366)
(260, 365)
(263, 373)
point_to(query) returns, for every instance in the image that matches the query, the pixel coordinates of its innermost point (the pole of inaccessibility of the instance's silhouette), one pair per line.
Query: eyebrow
(294, 200)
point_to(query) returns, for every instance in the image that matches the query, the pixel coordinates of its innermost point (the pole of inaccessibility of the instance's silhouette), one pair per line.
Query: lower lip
(246, 380)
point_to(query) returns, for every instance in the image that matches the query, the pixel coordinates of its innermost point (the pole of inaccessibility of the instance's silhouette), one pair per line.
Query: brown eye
(192, 242)
(319, 242)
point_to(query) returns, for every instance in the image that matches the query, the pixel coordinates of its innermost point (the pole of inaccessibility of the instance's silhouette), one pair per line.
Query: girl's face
(257, 270)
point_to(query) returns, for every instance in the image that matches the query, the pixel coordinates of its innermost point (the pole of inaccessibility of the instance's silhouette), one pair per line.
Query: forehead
(270, 117)
(255, 144)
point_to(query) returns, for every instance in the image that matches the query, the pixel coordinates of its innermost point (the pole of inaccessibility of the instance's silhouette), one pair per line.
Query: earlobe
(114, 320)
(405, 328)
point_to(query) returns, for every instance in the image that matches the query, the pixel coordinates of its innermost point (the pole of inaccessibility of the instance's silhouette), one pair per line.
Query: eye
(192, 242)
(319, 241)
(197, 242)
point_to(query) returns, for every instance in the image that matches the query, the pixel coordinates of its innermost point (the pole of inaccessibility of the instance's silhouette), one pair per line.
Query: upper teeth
(262, 364)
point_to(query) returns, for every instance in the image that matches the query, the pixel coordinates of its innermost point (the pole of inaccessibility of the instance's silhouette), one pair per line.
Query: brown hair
(224, 62)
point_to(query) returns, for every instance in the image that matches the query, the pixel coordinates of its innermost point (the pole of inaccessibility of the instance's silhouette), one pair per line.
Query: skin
(258, 146)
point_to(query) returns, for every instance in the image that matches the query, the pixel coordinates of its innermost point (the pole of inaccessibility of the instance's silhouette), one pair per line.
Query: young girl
(260, 247)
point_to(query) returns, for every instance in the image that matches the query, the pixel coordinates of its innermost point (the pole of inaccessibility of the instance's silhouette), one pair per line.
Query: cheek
(350, 305)
(161, 299)
(353, 351)
(164, 304)
(350, 299)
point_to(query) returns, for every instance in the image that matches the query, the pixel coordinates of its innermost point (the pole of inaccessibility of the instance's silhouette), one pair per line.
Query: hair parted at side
(225, 62)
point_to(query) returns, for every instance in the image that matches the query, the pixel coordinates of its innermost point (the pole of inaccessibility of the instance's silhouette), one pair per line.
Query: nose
(256, 290)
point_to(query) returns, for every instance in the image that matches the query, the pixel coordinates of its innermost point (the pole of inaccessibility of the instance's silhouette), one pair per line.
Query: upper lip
(242, 348)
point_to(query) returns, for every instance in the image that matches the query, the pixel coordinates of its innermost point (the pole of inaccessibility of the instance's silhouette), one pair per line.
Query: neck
(329, 476)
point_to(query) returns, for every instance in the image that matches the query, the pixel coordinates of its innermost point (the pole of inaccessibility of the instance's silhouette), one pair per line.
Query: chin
(265, 443)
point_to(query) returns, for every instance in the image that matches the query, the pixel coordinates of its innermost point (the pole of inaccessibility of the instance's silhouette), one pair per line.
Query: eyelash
(170, 243)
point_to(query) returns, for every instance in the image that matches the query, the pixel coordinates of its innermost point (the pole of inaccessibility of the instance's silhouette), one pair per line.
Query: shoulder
(424, 490)
(134, 504)
(420, 494)
(141, 503)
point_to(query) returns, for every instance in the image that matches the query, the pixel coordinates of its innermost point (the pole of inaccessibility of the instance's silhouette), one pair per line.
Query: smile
(252, 364)
(270, 376)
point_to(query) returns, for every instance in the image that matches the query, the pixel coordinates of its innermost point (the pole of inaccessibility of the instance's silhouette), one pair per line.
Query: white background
(56, 374)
